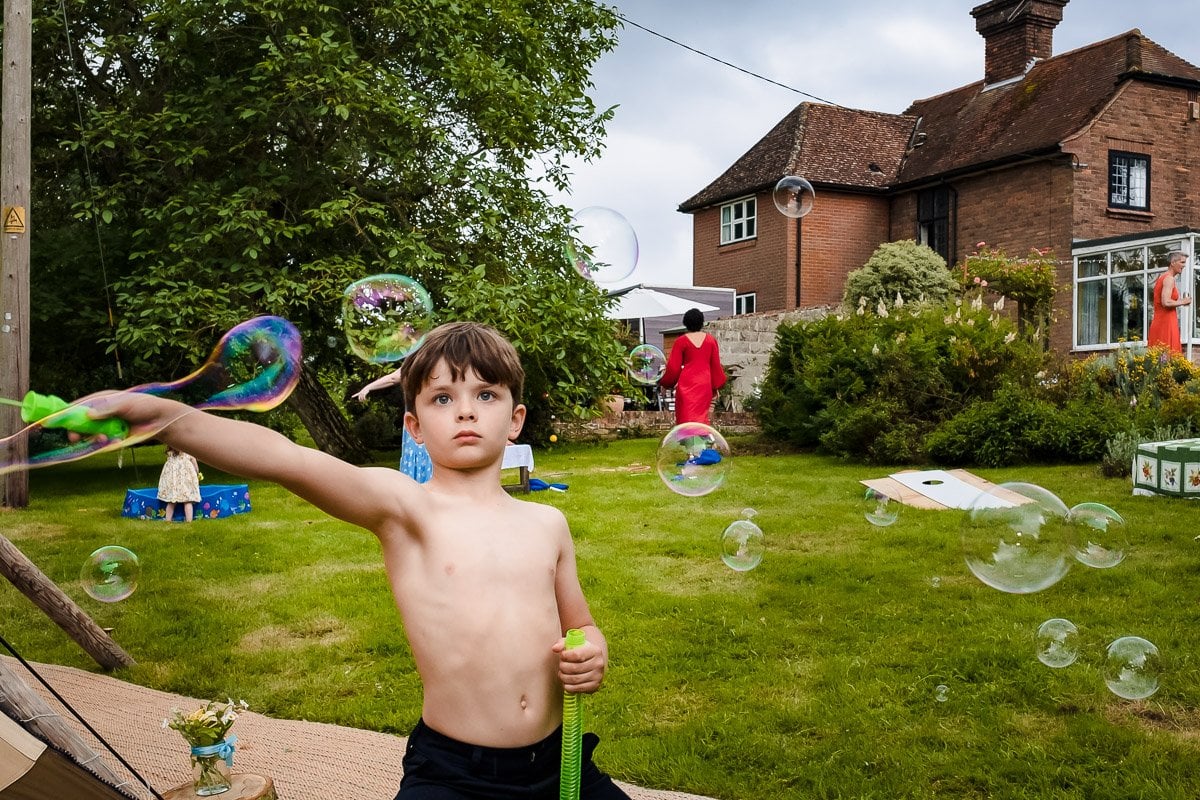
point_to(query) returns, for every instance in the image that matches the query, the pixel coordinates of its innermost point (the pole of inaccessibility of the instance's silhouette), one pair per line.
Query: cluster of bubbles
(385, 317)
(1021, 538)
(110, 574)
(603, 247)
(646, 364)
(1132, 665)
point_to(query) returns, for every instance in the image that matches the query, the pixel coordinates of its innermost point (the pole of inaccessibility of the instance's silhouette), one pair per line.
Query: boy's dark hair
(693, 320)
(464, 346)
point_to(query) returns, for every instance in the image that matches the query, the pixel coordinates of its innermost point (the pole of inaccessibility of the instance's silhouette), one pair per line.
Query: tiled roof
(826, 144)
(971, 126)
(962, 128)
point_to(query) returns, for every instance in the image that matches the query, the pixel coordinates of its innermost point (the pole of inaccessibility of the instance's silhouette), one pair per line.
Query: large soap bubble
(1058, 643)
(604, 248)
(742, 543)
(646, 364)
(693, 459)
(879, 509)
(110, 573)
(385, 317)
(1132, 668)
(1016, 538)
(1099, 540)
(793, 196)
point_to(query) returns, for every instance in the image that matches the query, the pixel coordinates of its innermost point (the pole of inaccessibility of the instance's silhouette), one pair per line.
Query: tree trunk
(324, 420)
(45, 594)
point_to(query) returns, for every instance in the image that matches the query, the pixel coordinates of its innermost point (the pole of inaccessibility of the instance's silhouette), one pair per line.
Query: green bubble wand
(572, 733)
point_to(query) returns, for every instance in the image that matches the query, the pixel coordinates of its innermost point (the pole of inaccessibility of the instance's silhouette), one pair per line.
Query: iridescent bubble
(1016, 538)
(793, 196)
(385, 317)
(742, 543)
(941, 693)
(1099, 539)
(255, 366)
(603, 247)
(110, 574)
(879, 509)
(693, 459)
(1057, 643)
(646, 364)
(1132, 668)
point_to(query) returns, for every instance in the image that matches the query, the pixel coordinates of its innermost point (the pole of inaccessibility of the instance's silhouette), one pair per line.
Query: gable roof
(963, 129)
(828, 145)
(977, 125)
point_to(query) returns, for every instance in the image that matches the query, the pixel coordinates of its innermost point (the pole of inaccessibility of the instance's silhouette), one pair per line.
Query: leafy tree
(256, 156)
(910, 270)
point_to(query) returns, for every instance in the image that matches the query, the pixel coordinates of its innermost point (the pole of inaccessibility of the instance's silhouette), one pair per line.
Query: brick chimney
(1015, 33)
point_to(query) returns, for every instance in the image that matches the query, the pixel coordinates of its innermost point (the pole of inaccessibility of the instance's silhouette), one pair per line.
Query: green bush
(906, 269)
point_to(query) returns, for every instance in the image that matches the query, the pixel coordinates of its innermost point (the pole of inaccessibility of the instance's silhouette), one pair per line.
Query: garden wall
(746, 342)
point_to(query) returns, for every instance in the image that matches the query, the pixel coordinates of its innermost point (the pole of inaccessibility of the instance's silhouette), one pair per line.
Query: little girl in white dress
(179, 482)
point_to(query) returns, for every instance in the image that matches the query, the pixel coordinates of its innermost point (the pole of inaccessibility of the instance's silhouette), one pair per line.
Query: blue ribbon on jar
(224, 749)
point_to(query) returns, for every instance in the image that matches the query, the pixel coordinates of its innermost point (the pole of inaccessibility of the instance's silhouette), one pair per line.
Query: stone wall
(631, 424)
(747, 341)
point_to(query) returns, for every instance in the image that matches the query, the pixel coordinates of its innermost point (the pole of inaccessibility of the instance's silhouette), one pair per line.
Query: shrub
(906, 269)
(1028, 281)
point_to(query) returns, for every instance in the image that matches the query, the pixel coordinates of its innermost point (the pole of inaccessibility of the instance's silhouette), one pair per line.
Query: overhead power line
(677, 43)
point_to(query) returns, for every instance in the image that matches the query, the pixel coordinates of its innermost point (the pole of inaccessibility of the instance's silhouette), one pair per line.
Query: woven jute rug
(306, 760)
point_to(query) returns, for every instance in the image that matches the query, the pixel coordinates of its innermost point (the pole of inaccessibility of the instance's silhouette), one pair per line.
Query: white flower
(899, 301)
(953, 339)
(862, 301)
(1008, 339)
(999, 304)
(977, 303)
(861, 311)
(875, 350)
(881, 309)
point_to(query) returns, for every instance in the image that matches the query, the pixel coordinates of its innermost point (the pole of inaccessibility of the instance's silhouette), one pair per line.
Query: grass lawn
(813, 675)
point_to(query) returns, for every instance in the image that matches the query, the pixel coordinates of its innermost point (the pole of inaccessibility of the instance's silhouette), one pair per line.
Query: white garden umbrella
(638, 302)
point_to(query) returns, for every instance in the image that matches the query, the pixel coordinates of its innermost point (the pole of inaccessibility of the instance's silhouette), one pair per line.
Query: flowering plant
(207, 725)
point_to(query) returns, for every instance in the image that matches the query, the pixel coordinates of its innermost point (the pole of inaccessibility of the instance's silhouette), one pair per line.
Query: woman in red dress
(694, 370)
(1164, 327)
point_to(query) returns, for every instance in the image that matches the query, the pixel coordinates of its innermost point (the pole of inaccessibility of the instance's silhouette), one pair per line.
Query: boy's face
(463, 423)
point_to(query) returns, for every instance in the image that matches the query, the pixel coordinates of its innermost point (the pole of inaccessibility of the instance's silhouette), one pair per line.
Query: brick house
(1094, 153)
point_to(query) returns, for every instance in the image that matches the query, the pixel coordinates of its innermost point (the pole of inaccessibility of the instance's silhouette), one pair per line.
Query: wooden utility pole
(14, 241)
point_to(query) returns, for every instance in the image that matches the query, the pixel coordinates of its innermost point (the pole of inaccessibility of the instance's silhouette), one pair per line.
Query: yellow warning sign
(14, 219)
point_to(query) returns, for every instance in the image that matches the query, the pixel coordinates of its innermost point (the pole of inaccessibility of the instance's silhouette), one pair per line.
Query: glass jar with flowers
(207, 731)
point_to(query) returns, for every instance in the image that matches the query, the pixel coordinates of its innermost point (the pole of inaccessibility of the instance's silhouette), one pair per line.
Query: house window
(1128, 180)
(1113, 288)
(738, 221)
(744, 303)
(933, 220)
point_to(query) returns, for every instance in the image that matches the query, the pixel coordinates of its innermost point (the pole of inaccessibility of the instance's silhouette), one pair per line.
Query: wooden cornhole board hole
(246, 786)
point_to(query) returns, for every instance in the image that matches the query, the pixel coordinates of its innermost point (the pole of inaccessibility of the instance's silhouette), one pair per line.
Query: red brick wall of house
(1148, 119)
(839, 235)
(756, 265)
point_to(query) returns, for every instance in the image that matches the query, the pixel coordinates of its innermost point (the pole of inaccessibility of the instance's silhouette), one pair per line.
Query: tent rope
(79, 718)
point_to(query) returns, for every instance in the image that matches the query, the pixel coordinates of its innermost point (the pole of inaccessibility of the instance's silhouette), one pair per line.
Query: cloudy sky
(682, 119)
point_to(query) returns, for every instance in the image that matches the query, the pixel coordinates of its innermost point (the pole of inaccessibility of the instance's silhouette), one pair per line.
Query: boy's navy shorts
(437, 767)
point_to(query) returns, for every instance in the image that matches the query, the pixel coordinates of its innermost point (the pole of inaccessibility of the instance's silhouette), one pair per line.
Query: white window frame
(739, 220)
(739, 303)
(1110, 279)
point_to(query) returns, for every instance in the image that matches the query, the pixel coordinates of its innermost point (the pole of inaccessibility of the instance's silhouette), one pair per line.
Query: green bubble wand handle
(572, 733)
(54, 412)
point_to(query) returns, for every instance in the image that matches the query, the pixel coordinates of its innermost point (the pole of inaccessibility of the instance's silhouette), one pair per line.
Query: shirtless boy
(486, 584)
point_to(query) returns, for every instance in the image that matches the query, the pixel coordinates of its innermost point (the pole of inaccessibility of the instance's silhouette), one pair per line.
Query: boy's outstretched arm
(356, 495)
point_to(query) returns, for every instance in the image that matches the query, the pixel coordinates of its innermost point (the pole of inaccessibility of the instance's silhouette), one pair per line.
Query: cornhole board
(1169, 468)
(938, 490)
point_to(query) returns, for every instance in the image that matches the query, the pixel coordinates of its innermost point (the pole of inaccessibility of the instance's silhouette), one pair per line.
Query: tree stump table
(246, 786)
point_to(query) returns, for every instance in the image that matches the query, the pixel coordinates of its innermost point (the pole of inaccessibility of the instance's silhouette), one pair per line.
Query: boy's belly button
(524, 702)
